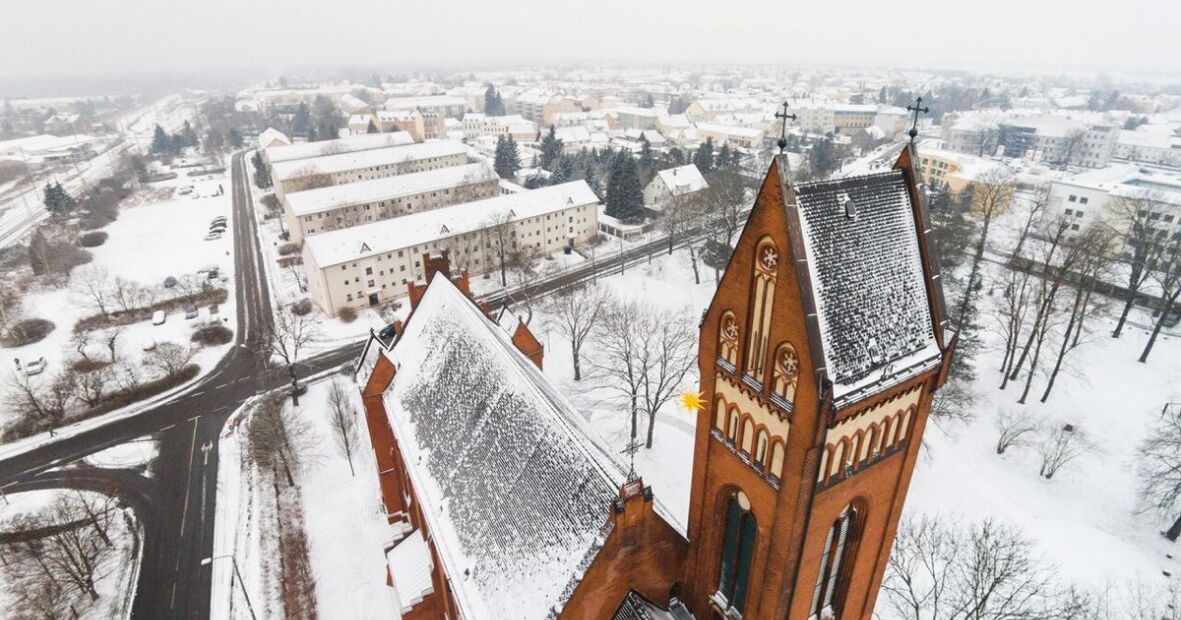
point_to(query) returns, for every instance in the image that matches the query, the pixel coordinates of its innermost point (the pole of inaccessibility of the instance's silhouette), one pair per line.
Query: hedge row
(120, 317)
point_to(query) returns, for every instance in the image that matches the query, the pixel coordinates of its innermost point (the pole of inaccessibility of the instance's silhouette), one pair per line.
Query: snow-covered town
(624, 312)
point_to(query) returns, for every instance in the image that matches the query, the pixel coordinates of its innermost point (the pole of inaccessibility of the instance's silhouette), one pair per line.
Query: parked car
(191, 312)
(158, 317)
(220, 218)
(150, 345)
(207, 268)
(188, 189)
(169, 282)
(213, 236)
(217, 228)
(213, 274)
(36, 366)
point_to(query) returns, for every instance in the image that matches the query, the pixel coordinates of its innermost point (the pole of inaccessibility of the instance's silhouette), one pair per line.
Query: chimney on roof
(633, 511)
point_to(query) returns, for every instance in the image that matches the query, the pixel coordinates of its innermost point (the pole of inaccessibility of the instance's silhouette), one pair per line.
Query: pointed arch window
(835, 560)
(728, 340)
(786, 375)
(766, 263)
(738, 540)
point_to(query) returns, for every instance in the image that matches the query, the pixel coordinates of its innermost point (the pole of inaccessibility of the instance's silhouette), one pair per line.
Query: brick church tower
(820, 353)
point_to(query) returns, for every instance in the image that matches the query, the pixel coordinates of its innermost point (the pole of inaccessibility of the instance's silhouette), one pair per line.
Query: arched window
(786, 374)
(720, 413)
(728, 339)
(766, 261)
(748, 436)
(827, 596)
(776, 464)
(761, 448)
(732, 430)
(738, 541)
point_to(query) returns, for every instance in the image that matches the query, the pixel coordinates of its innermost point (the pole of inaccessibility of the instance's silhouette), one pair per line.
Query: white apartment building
(371, 264)
(350, 144)
(1150, 146)
(446, 106)
(1092, 197)
(337, 169)
(744, 137)
(477, 125)
(316, 211)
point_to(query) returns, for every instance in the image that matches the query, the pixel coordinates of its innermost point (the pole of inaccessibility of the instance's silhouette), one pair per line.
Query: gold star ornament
(692, 400)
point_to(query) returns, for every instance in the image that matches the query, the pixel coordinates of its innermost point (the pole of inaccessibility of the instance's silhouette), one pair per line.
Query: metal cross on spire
(914, 125)
(632, 448)
(783, 127)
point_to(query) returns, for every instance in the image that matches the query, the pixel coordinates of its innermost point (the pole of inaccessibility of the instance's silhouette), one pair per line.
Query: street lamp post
(237, 575)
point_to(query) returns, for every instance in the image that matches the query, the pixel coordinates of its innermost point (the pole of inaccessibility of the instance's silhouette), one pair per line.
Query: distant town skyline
(141, 37)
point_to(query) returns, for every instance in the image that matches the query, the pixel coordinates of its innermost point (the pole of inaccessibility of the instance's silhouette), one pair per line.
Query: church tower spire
(819, 356)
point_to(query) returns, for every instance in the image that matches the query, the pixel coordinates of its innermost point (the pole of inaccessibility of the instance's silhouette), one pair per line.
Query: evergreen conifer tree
(723, 157)
(508, 159)
(704, 157)
(234, 138)
(190, 135)
(625, 196)
(563, 170)
(160, 141)
(551, 149)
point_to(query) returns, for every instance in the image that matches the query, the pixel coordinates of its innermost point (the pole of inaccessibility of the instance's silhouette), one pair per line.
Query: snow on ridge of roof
(423, 101)
(351, 144)
(683, 179)
(516, 492)
(342, 162)
(867, 276)
(345, 244)
(732, 130)
(387, 188)
(410, 570)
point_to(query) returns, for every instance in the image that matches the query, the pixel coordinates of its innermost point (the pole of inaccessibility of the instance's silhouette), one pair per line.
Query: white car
(36, 366)
(213, 236)
(159, 317)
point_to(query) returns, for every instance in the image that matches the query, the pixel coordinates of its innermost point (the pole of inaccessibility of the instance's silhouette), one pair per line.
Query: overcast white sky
(81, 37)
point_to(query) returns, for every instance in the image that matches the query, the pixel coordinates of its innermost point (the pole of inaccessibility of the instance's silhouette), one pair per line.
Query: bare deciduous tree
(940, 570)
(91, 386)
(170, 358)
(648, 354)
(281, 442)
(343, 421)
(1133, 223)
(1061, 444)
(289, 336)
(1159, 468)
(91, 284)
(500, 241)
(1014, 430)
(573, 313)
(1168, 276)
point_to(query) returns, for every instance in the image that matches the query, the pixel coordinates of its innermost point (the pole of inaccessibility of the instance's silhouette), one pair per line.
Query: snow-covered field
(150, 241)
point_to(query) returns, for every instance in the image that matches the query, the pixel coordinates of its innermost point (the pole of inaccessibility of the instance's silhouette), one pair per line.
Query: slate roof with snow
(347, 244)
(351, 144)
(388, 188)
(867, 277)
(516, 496)
(343, 162)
